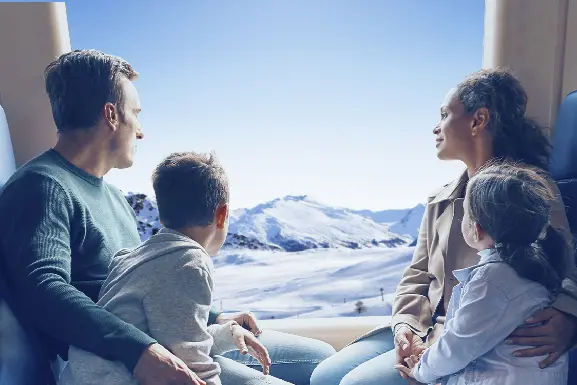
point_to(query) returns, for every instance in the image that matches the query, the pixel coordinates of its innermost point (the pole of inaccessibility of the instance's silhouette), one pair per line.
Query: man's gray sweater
(164, 288)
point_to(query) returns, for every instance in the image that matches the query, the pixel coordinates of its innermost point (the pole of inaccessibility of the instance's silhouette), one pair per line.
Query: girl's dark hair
(515, 136)
(511, 202)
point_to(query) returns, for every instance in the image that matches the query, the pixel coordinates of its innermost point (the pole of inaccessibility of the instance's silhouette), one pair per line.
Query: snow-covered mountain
(147, 214)
(404, 221)
(296, 223)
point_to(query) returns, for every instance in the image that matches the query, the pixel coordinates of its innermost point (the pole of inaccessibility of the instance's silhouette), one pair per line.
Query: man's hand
(247, 343)
(407, 343)
(157, 366)
(554, 337)
(245, 319)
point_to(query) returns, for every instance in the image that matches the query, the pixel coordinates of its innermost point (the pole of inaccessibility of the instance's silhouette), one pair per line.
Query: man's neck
(84, 153)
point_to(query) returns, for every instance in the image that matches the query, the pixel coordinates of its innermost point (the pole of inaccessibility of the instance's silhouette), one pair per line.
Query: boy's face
(221, 230)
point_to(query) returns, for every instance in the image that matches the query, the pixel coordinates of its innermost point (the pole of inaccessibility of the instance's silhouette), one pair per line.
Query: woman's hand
(409, 370)
(407, 343)
(247, 343)
(554, 337)
(245, 319)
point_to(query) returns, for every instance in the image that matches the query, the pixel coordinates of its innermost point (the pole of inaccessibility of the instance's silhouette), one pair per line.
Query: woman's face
(454, 131)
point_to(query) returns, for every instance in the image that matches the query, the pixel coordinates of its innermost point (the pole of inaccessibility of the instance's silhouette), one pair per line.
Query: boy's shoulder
(180, 250)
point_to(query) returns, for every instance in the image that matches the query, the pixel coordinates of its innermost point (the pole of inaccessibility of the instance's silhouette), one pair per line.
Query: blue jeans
(367, 362)
(293, 360)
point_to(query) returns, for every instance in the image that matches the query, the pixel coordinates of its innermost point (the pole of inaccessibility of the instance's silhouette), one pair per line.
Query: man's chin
(126, 164)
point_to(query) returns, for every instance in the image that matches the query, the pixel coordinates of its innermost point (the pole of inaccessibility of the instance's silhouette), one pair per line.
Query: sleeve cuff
(413, 324)
(134, 350)
(566, 304)
(212, 316)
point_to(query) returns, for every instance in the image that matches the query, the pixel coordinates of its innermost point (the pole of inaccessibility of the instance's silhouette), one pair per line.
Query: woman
(482, 119)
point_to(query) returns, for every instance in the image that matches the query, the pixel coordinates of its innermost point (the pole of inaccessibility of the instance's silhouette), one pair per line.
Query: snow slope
(312, 283)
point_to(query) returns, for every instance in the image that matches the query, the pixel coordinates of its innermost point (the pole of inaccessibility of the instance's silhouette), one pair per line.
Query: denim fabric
(293, 360)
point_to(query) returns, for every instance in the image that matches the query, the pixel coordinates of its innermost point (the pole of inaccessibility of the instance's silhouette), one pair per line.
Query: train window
(322, 114)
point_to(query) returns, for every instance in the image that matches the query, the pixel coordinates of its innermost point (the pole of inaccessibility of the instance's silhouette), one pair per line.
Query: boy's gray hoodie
(163, 287)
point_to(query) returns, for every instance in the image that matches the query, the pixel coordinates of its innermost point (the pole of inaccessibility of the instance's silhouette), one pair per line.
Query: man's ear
(221, 216)
(480, 121)
(111, 115)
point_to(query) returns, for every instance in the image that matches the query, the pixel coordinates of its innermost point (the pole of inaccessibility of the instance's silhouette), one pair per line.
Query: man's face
(123, 144)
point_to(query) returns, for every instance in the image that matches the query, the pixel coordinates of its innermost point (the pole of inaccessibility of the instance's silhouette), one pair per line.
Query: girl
(522, 260)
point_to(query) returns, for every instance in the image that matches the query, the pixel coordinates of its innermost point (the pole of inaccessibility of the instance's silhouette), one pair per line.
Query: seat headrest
(7, 164)
(564, 155)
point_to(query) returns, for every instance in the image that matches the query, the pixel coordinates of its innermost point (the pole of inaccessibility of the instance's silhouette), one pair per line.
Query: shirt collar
(487, 256)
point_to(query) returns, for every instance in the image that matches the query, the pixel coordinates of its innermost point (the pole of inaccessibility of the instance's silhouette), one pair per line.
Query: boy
(164, 286)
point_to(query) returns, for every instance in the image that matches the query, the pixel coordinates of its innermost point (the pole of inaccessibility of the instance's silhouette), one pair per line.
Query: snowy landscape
(295, 257)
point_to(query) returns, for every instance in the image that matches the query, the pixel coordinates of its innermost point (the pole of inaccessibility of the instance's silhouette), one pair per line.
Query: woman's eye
(443, 115)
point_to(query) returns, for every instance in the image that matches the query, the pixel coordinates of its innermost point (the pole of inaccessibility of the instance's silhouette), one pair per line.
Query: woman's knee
(327, 373)
(379, 370)
(386, 376)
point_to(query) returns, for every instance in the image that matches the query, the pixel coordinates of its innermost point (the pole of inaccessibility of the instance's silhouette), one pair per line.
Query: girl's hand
(410, 368)
(247, 343)
(407, 344)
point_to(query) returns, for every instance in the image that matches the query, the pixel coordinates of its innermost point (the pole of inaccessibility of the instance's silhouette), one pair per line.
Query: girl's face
(470, 228)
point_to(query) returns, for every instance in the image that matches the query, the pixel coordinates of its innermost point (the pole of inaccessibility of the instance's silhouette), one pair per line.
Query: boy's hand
(246, 319)
(408, 370)
(157, 366)
(247, 343)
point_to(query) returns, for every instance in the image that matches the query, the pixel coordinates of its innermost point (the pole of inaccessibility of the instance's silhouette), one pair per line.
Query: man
(62, 223)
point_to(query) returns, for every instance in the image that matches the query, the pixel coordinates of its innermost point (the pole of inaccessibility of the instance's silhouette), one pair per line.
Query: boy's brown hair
(189, 187)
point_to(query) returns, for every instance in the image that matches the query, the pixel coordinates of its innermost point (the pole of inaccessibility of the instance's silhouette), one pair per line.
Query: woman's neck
(478, 160)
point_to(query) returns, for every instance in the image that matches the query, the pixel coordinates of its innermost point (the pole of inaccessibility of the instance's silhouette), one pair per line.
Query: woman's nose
(139, 134)
(437, 129)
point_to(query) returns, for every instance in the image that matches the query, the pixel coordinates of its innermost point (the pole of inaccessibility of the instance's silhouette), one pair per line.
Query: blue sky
(334, 99)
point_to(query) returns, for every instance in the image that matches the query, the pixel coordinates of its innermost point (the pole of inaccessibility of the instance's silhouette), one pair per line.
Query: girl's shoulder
(505, 278)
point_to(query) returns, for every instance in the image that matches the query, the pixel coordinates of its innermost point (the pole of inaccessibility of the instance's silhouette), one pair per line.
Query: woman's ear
(221, 216)
(480, 121)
